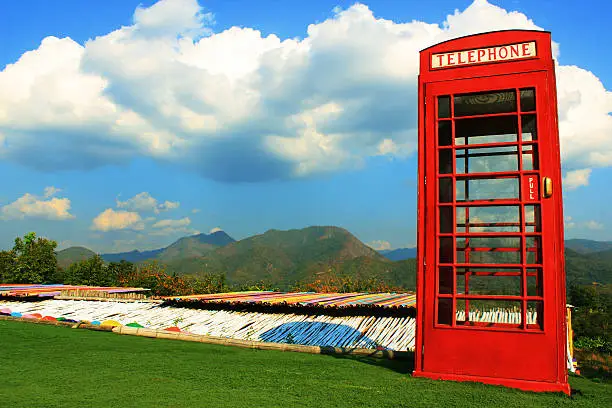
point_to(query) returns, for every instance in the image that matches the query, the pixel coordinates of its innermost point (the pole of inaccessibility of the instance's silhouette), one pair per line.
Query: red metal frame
(529, 353)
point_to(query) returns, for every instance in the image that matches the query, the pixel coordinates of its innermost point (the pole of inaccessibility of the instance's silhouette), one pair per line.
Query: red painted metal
(530, 187)
(488, 135)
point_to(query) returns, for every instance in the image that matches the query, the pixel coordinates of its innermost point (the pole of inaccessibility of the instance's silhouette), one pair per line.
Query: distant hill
(604, 256)
(586, 246)
(285, 257)
(186, 247)
(132, 256)
(588, 268)
(194, 246)
(399, 254)
(68, 256)
(399, 273)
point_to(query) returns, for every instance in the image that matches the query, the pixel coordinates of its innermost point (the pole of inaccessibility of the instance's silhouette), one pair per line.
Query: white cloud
(33, 206)
(195, 211)
(387, 146)
(169, 205)
(236, 106)
(379, 245)
(569, 223)
(129, 217)
(482, 17)
(172, 223)
(593, 225)
(175, 17)
(576, 178)
(140, 202)
(585, 120)
(213, 230)
(143, 202)
(51, 191)
(110, 220)
(169, 227)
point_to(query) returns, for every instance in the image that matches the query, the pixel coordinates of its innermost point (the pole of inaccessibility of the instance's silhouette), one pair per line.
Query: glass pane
(495, 311)
(445, 161)
(528, 102)
(444, 106)
(534, 282)
(487, 189)
(535, 314)
(484, 250)
(501, 129)
(485, 103)
(534, 250)
(489, 243)
(446, 220)
(461, 281)
(445, 311)
(489, 281)
(445, 282)
(486, 160)
(528, 128)
(460, 313)
(445, 190)
(532, 218)
(446, 250)
(489, 219)
(530, 157)
(445, 133)
(492, 285)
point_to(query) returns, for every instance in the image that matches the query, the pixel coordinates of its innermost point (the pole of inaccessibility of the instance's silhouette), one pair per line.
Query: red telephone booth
(491, 279)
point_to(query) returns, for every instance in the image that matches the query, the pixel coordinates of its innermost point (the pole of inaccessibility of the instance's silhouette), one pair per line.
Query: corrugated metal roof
(306, 298)
(56, 289)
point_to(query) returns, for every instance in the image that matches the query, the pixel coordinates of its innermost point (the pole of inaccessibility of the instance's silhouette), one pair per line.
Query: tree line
(33, 260)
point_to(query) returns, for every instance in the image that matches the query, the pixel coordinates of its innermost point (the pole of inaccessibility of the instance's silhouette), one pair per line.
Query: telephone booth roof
(542, 58)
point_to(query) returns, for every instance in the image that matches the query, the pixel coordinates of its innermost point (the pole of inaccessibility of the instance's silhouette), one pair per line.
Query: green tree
(116, 270)
(592, 314)
(34, 260)
(584, 296)
(91, 271)
(8, 261)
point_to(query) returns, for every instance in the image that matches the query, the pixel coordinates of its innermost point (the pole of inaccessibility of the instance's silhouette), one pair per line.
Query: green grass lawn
(48, 366)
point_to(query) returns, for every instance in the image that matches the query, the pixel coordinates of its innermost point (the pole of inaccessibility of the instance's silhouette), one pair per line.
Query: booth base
(524, 385)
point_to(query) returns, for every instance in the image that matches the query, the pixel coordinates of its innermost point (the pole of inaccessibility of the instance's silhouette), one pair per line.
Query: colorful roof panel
(56, 289)
(306, 298)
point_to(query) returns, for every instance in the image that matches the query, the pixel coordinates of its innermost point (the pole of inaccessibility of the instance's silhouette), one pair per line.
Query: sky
(128, 124)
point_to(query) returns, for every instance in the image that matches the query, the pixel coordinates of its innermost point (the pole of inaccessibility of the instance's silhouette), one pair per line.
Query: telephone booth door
(491, 238)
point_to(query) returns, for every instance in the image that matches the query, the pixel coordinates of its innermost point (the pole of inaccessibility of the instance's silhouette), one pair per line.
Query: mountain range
(185, 247)
(399, 254)
(282, 257)
(285, 257)
(587, 246)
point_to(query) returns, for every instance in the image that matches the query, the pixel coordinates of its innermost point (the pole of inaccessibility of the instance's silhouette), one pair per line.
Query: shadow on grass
(403, 363)
(595, 366)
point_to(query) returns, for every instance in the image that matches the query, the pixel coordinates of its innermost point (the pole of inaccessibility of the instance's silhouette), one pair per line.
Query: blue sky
(128, 124)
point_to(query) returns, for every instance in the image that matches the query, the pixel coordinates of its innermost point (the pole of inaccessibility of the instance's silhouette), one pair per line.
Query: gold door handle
(547, 189)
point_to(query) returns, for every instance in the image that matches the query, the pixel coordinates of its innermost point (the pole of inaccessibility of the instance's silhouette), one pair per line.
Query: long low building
(358, 331)
(334, 300)
(352, 320)
(22, 290)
